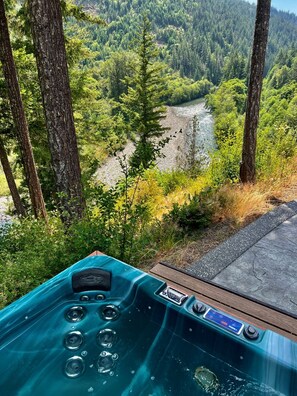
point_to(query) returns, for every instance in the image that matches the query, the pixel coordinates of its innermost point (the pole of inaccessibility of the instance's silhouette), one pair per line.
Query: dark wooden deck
(248, 310)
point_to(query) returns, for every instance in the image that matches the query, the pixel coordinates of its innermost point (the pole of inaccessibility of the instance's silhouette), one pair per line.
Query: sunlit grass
(150, 190)
(284, 186)
(234, 206)
(238, 202)
(235, 202)
(4, 190)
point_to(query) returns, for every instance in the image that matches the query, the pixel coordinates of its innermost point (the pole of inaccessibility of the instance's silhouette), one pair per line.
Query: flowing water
(176, 152)
(204, 135)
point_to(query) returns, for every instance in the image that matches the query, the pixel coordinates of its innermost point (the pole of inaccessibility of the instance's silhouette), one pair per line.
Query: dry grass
(238, 203)
(235, 206)
(284, 188)
(187, 252)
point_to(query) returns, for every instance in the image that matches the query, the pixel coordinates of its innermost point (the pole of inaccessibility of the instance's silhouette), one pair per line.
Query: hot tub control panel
(224, 321)
(174, 295)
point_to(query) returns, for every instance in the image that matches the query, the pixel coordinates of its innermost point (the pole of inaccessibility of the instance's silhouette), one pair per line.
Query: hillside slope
(195, 37)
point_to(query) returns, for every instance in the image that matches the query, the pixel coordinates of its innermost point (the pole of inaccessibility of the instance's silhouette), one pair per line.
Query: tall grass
(237, 203)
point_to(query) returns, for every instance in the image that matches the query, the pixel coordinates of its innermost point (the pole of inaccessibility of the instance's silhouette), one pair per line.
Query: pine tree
(143, 103)
(48, 37)
(234, 67)
(19, 117)
(117, 70)
(248, 163)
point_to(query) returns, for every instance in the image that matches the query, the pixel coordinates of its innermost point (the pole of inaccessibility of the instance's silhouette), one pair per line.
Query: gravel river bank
(179, 120)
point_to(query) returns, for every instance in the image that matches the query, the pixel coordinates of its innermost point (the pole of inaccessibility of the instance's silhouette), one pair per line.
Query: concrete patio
(260, 261)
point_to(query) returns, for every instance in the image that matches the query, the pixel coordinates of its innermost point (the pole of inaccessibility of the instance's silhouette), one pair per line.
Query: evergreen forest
(199, 39)
(128, 62)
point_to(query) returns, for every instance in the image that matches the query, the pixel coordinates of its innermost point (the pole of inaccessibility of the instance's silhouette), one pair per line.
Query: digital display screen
(224, 321)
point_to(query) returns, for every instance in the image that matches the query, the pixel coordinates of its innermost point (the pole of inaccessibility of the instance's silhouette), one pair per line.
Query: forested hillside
(198, 38)
(277, 136)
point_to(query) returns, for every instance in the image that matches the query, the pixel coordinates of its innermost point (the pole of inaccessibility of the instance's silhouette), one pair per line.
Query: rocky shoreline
(174, 154)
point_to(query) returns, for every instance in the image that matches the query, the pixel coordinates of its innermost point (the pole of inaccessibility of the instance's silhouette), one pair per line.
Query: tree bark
(19, 117)
(47, 28)
(248, 163)
(10, 181)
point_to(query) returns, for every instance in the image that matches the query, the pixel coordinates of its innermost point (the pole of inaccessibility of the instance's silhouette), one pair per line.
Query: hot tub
(103, 327)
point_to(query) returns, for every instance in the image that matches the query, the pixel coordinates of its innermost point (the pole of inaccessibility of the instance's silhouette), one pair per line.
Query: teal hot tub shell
(103, 327)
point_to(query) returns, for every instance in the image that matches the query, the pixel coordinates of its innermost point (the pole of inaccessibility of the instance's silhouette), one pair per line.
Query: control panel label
(224, 321)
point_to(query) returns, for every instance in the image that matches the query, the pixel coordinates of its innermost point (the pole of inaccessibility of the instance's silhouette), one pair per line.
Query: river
(174, 153)
(179, 121)
(204, 140)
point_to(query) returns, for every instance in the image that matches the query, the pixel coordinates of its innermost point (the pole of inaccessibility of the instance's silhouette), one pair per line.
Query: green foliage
(274, 150)
(227, 104)
(193, 215)
(284, 69)
(116, 72)
(6, 123)
(4, 190)
(199, 39)
(119, 216)
(182, 90)
(143, 104)
(119, 70)
(71, 10)
(234, 93)
(29, 254)
(170, 181)
(235, 67)
(224, 166)
(277, 139)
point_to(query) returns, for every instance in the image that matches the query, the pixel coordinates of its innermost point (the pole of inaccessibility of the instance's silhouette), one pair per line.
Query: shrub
(275, 149)
(31, 252)
(225, 162)
(193, 215)
(170, 181)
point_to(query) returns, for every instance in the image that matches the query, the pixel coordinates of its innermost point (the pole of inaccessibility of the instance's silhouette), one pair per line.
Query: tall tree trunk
(10, 181)
(19, 117)
(47, 28)
(248, 163)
